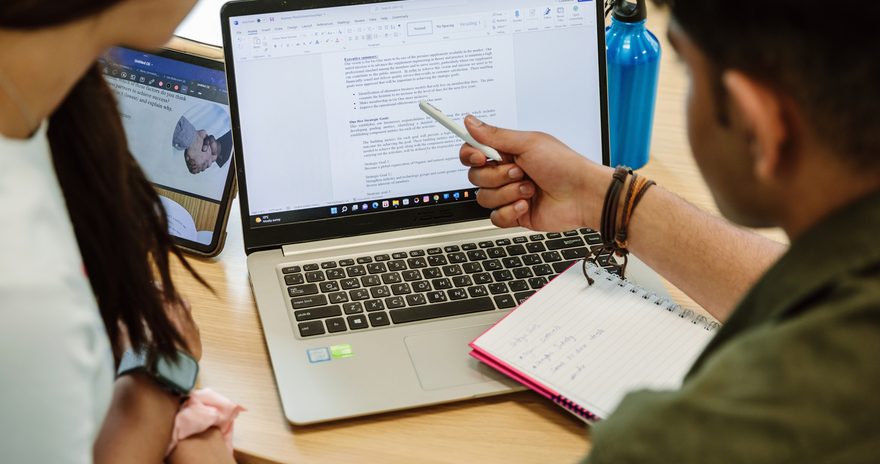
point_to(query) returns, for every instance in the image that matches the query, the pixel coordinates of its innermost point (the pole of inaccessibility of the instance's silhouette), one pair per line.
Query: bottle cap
(629, 12)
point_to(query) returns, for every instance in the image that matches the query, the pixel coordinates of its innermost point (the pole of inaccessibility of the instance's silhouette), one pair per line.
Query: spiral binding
(671, 306)
(573, 408)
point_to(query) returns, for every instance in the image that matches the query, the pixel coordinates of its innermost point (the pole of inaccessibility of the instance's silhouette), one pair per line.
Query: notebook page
(593, 344)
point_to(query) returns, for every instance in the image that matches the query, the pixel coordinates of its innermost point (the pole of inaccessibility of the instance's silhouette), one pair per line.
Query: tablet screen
(175, 111)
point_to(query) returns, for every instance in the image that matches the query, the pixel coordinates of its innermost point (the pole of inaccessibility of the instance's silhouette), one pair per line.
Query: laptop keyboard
(405, 286)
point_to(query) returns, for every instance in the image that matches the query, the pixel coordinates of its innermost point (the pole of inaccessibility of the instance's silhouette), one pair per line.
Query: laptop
(371, 263)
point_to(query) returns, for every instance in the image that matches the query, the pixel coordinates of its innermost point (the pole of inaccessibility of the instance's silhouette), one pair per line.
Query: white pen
(461, 132)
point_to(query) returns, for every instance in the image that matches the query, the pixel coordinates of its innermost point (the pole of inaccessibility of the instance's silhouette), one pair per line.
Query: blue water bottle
(633, 65)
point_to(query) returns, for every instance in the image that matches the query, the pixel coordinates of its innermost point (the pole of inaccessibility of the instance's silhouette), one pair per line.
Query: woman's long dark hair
(119, 222)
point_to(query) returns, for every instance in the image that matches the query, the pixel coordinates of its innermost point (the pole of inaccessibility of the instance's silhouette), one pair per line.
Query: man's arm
(545, 185)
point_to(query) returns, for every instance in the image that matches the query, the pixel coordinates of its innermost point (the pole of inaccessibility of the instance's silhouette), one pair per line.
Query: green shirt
(794, 374)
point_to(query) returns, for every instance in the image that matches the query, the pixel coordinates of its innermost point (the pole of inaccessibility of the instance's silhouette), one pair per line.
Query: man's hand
(542, 183)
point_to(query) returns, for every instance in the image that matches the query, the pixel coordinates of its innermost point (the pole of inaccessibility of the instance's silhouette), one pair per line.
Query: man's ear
(758, 110)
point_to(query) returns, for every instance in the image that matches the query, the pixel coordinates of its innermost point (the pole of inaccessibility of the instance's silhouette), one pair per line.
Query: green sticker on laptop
(341, 351)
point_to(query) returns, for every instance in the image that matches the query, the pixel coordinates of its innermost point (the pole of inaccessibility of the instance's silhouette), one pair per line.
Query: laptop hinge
(390, 239)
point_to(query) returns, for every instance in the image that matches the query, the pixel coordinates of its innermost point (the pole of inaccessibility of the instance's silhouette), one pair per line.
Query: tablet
(175, 110)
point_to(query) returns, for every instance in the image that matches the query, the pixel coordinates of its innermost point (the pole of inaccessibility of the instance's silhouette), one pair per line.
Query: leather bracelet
(612, 201)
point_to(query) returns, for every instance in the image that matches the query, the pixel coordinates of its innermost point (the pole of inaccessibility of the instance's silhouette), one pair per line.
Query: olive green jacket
(793, 375)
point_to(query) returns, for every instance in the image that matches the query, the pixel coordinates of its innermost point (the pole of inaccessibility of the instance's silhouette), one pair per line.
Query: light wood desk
(521, 427)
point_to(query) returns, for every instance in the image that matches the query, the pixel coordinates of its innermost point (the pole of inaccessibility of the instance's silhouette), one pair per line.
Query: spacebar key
(452, 308)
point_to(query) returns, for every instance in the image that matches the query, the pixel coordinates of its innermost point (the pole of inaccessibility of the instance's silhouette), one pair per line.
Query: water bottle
(633, 64)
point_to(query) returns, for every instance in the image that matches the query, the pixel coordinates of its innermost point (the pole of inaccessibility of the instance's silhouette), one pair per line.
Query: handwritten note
(593, 344)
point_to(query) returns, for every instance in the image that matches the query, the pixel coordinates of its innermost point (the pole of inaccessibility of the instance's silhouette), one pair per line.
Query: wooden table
(520, 427)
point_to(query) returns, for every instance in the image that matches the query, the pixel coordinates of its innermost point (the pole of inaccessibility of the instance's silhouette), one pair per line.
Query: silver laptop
(371, 263)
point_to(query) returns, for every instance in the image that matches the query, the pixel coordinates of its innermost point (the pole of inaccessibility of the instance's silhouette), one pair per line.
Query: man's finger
(508, 216)
(509, 141)
(509, 194)
(494, 176)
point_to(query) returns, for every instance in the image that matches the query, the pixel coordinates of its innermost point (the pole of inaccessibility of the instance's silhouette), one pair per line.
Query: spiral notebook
(586, 346)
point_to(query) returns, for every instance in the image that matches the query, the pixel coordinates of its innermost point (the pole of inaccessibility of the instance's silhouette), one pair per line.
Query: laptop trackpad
(441, 358)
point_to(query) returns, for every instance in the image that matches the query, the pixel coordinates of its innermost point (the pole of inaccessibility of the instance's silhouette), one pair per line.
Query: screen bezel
(218, 237)
(273, 237)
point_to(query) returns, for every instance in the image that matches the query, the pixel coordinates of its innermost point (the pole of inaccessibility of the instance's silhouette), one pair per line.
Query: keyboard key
(586, 231)
(562, 266)
(462, 281)
(551, 256)
(308, 301)
(530, 260)
(568, 242)
(328, 265)
(535, 247)
(317, 313)
(520, 240)
(497, 288)
(570, 233)
(302, 290)
(291, 270)
(457, 294)
(401, 289)
(522, 273)
(471, 268)
(511, 263)
(294, 279)
(353, 308)
(376, 268)
(357, 322)
(452, 270)
(374, 305)
(421, 286)
(575, 253)
(477, 291)
(496, 252)
(348, 284)
(395, 302)
(311, 267)
(593, 238)
(416, 263)
(553, 235)
(310, 329)
(417, 253)
(314, 276)
(335, 274)
(356, 271)
(432, 273)
(339, 297)
(380, 292)
(457, 258)
(518, 286)
(337, 324)
(477, 255)
(482, 278)
(451, 248)
(536, 237)
(396, 265)
(410, 276)
(327, 287)
(346, 262)
(359, 294)
(436, 297)
(502, 275)
(380, 258)
(378, 319)
(516, 250)
(537, 282)
(441, 284)
(469, 246)
(505, 301)
(416, 299)
(438, 260)
(542, 270)
(391, 278)
(486, 244)
(370, 280)
(492, 265)
(398, 255)
(434, 251)
(502, 242)
(523, 296)
(452, 308)
(364, 260)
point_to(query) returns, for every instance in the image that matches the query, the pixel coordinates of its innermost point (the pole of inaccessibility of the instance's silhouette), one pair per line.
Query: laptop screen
(328, 98)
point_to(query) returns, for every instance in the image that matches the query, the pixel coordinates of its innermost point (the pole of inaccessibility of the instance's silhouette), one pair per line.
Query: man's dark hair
(824, 55)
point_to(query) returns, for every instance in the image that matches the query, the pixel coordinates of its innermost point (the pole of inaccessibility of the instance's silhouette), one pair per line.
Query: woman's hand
(542, 183)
